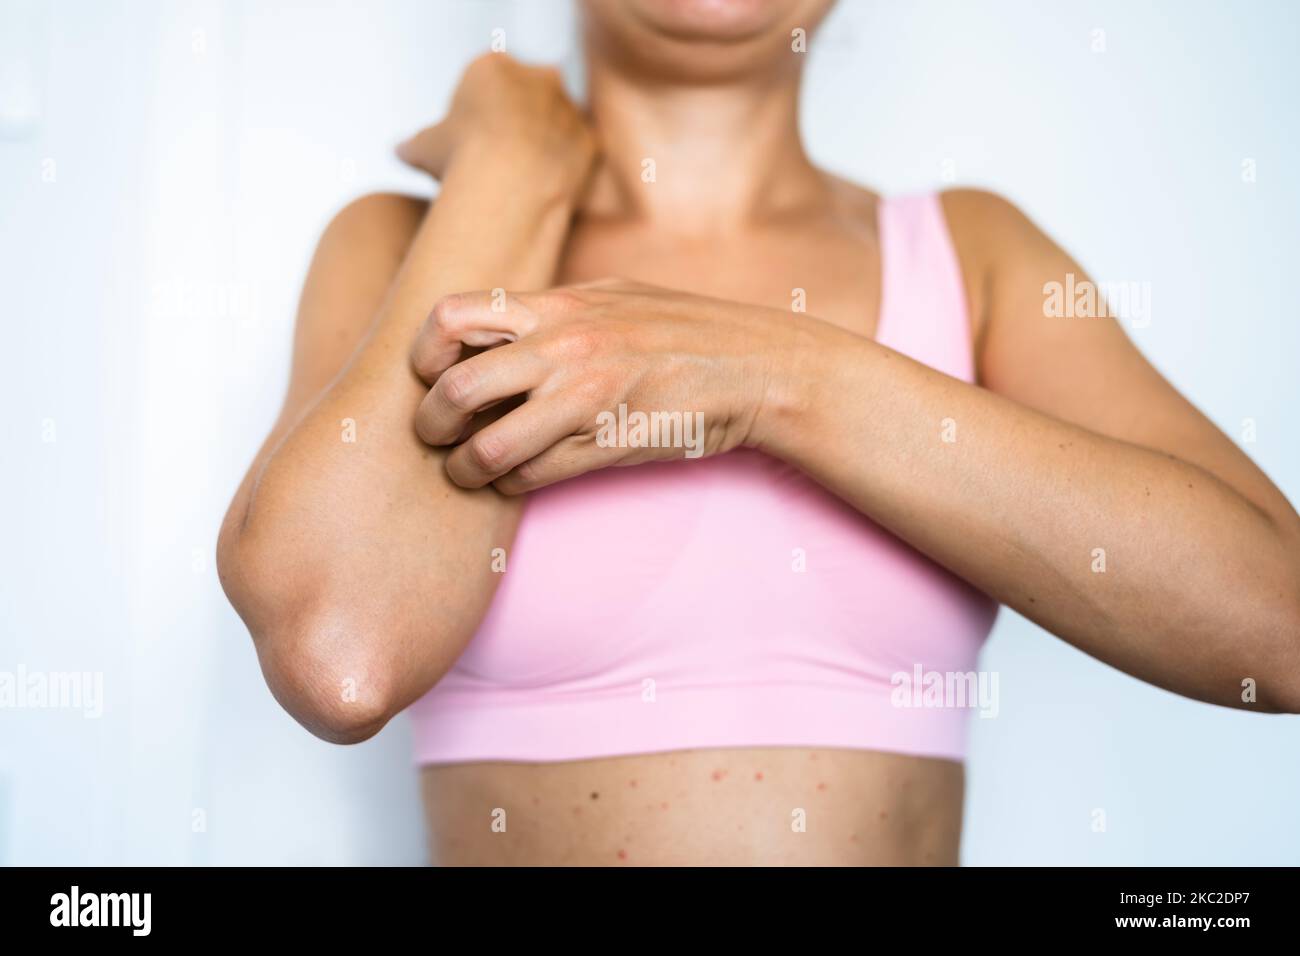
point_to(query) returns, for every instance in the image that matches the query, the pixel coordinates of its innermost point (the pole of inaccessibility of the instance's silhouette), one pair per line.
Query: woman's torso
(753, 804)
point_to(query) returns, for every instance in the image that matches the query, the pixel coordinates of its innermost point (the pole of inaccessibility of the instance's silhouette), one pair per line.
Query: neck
(697, 158)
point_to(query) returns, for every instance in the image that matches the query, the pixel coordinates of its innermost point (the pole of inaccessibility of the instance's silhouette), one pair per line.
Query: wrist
(797, 377)
(525, 169)
(497, 222)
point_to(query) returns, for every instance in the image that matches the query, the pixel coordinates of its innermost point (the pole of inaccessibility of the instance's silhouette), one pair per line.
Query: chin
(699, 40)
(711, 20)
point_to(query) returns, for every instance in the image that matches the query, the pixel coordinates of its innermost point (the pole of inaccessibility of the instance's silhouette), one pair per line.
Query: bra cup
(583, 569)
(735, 567)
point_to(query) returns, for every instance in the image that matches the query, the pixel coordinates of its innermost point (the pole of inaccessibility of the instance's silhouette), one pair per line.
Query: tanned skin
(364, 562)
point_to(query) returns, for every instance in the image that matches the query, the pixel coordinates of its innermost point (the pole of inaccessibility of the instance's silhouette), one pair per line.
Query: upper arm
(1080, 369)
(356, 260)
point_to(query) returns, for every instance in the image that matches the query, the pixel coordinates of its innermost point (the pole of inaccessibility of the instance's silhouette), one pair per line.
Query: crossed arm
(1075, 451)
(359, 564)
(366, 564)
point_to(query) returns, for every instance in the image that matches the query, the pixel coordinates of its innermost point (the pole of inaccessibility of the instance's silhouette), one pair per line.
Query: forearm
(491, 227)
(1136, 557)
(355, 556)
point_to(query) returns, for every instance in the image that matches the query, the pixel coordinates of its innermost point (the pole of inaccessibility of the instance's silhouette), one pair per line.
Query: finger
(429, 149)
(489, 415)
(569, 458)
(613, 284)
(509, 442)
(476, 319)
(473, 385)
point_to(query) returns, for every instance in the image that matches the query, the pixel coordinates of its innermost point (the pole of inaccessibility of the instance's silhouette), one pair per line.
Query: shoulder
(381, 222)
(997, 246)
(359, 253)
(991, 229)
(966, 207)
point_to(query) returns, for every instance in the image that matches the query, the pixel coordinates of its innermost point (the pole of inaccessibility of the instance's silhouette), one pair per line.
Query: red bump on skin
(718, 775)
(821, 786)
(884, 814)
(577, 810)
(758, 775)
(854, 838)
(622, 854)
(631, 783)
(812, 756)
(663, 806)
(536, 801)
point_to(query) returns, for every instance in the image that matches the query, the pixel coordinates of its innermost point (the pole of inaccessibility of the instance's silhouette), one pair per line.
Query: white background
(165, 168)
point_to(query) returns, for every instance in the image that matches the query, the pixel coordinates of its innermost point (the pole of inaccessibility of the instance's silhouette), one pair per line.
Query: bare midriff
(753, 806)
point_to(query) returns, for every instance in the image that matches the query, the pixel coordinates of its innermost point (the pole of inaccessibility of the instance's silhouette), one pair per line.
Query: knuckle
(525, 476)
(564, 300)
(595, 389)
(509, 486)
(580, 343)
(486, 452)
(457, 387)
(485, 62)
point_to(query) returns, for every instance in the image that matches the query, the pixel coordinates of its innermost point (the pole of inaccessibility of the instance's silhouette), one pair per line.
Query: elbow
(1286, 617)
(328, 676)
(1279, 684)
(1289, 699)
(1286, 698)
(319, 661)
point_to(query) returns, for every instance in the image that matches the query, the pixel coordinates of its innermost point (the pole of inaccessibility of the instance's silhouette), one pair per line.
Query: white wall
(164, 170)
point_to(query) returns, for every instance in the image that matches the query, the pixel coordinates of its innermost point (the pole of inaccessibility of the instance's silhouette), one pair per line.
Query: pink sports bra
(727, 601)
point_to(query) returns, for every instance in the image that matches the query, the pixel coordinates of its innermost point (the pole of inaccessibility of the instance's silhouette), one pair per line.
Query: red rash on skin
(758, 775)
